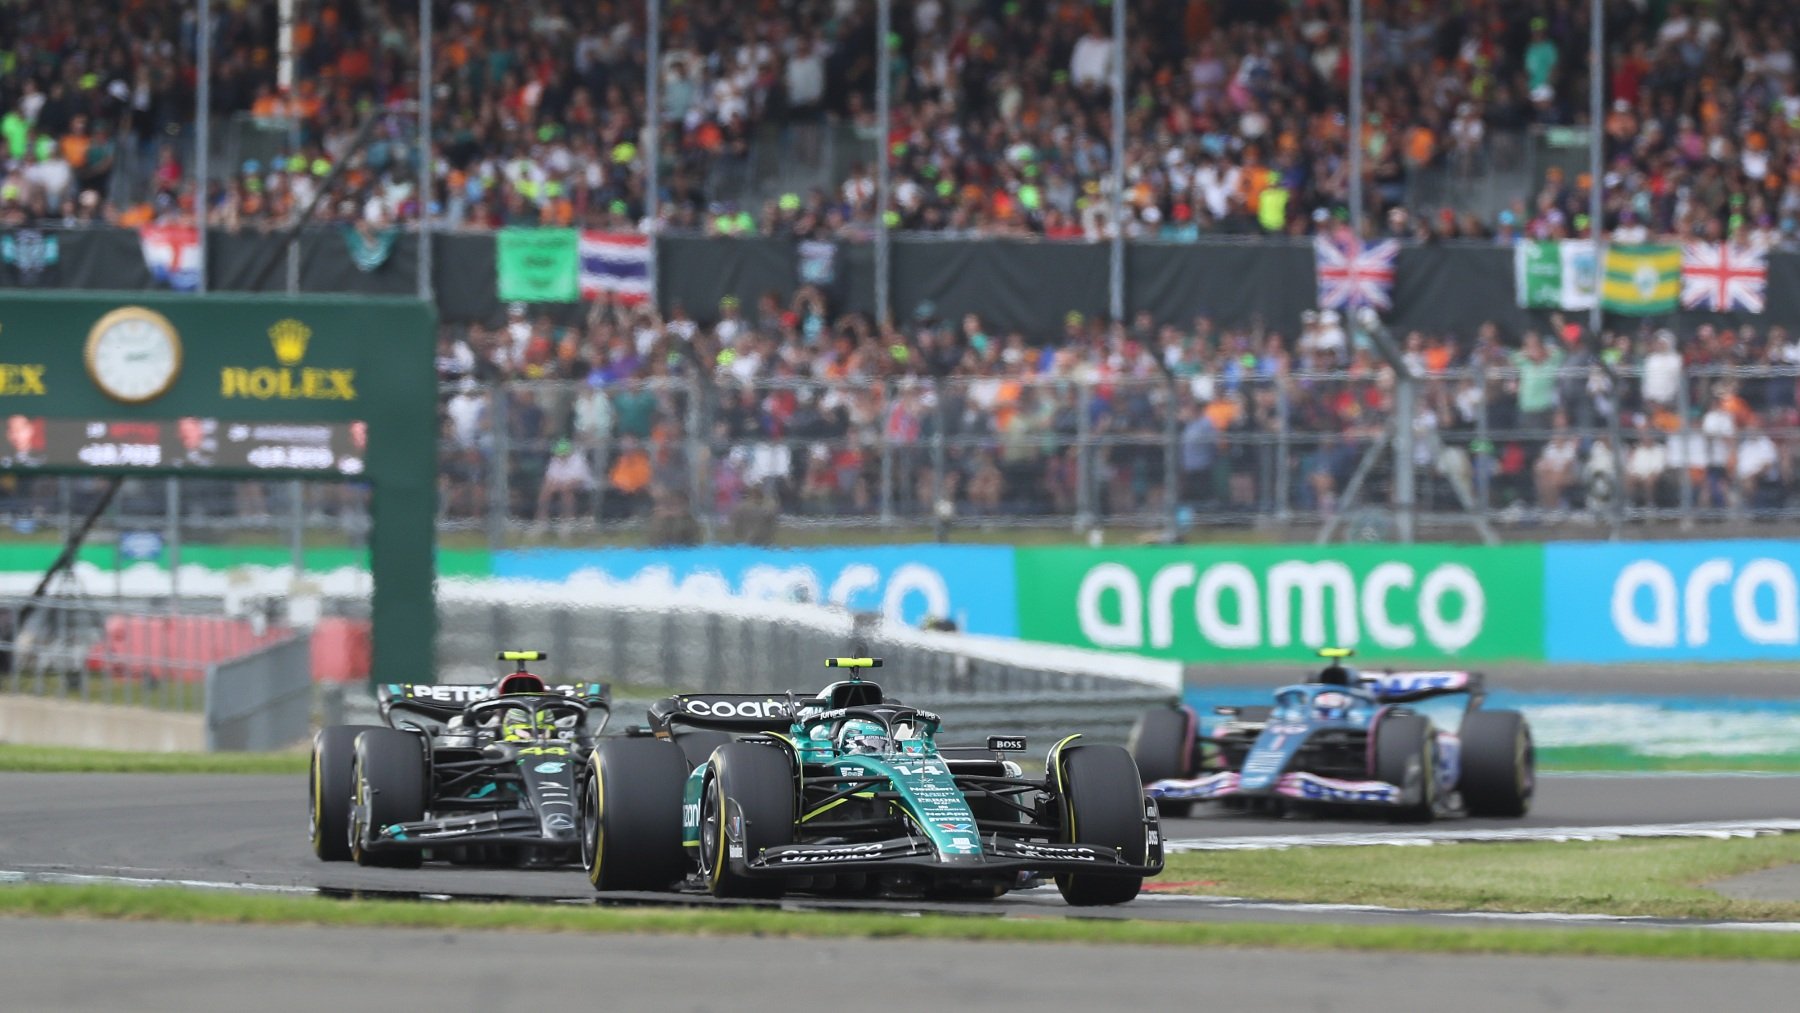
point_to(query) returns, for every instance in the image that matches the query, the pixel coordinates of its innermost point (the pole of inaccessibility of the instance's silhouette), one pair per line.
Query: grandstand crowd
(1001, 120)
(788, 407)
(1236, 124)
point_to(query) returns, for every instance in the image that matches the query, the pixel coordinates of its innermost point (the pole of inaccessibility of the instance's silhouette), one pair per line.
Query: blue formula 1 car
(1415, 745)
(848, 793)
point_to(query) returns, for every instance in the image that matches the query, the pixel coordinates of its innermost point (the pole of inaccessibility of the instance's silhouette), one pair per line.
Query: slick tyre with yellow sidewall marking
(749, 796)
(329, 788)
(1103, 806)
(389, 776)
(631, 815)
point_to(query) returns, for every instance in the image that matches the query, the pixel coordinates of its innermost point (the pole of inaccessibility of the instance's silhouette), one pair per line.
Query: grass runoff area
(221, 907)
(69, 760)
(1656, 877)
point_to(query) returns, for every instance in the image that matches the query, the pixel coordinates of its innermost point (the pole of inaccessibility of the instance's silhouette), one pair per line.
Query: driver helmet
(521, 725)
(862, 737)
(1331, 706)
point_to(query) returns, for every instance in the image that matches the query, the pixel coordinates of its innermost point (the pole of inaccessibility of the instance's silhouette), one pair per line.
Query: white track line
(1562, 917)
(1720, 829)
(77, 879)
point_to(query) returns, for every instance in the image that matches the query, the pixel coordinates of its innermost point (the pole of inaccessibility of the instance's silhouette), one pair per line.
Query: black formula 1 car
(467, 774)
(848, 793)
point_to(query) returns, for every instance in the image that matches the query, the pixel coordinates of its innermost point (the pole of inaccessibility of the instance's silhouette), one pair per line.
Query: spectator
(566, 477)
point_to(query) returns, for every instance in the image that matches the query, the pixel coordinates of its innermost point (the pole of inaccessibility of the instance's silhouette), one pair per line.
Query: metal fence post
(940, 526)
(1171, 437)
(699, 454)
(498, 509)
(1406, 410)
(1084, 454)
(1284, 438)
(887, 462)
(1686, 455)
(1483, 457)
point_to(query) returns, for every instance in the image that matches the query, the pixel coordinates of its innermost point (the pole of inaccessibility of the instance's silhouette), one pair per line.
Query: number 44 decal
(917, 769)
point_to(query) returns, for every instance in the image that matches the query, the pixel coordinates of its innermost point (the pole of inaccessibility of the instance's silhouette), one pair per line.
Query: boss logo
(1006, 743)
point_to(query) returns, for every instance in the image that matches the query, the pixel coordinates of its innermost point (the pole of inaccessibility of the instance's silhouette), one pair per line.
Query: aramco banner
(1279, 603)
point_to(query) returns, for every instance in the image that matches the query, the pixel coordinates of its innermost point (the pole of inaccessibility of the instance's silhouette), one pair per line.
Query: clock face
(133, 354)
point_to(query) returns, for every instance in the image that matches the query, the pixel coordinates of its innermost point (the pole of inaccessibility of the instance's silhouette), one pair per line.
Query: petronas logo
(289, 337)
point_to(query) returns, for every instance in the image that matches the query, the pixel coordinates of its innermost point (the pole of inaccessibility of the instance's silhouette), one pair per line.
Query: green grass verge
(1635, 877)
(221, 907)
(1617, 758)
(60, 759)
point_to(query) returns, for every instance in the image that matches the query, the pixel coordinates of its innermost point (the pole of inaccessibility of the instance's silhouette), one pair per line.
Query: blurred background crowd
(784, 407)
(1236, 124)
(1236, 114)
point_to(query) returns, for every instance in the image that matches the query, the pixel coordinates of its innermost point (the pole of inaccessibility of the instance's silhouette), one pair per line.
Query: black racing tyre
(1406, 755)
(1163, 750)
(1103, 806)
(328, 790)
(631, 815)
(389, 776)
(698, 744)
(1499, 764)
(754, 782)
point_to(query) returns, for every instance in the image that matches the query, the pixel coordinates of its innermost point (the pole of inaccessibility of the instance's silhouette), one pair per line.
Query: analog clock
(133, 354)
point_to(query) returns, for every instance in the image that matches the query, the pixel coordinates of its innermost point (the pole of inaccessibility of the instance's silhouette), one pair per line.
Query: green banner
(1279, 603)
(29, 558)
(539, 265)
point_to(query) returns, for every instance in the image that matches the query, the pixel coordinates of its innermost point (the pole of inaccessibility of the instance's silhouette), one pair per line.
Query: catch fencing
(1512, 446)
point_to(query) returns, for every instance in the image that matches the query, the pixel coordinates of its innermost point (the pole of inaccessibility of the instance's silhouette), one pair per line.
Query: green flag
(539, 265)
(1555, 275)
(1641, 280)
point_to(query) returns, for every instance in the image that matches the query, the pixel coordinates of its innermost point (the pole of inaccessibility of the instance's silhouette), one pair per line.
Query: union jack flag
(1352, 275)
(1721, 278)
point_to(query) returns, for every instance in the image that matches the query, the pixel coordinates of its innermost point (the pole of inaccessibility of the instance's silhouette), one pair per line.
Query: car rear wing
(1403, 687)
(727, 712)
(444, 701)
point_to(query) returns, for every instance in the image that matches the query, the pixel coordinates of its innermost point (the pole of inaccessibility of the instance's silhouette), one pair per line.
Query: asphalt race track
(251, 830)
(275, 970)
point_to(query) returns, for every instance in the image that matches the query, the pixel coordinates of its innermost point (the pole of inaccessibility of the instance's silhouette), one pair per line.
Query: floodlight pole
(202, 129)
(1405, 385)
(1597, 232)
(1116, 277)
(884, 89)
(653, 133)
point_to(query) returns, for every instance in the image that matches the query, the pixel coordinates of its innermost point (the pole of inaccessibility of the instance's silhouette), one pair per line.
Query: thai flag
(1353, 275)
(616, 263)
(1722, 278)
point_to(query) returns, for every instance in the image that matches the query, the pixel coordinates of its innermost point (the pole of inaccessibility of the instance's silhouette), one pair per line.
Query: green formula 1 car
(848, 793)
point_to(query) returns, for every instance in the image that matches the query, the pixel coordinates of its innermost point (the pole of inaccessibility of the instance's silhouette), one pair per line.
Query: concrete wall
(41, 721)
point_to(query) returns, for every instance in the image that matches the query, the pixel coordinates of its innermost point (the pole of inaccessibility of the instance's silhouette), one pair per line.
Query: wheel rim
(711, 847)
(358, 800)
(312, 801)
(590, 831)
